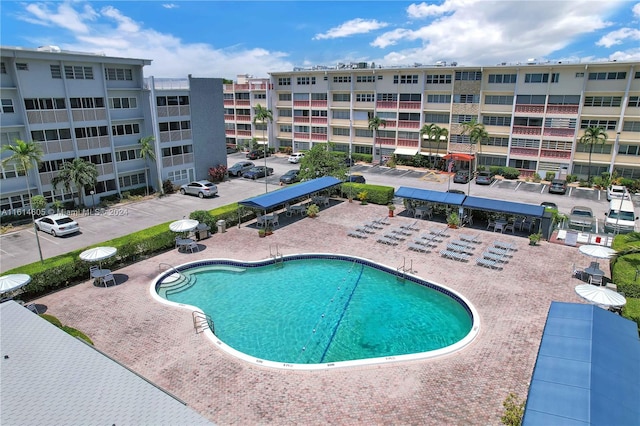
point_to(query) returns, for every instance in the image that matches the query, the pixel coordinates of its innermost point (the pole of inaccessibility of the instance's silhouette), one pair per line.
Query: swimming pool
(320, 310)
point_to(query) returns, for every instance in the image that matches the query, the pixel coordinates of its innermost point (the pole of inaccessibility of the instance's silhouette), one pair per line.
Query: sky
(230, 38)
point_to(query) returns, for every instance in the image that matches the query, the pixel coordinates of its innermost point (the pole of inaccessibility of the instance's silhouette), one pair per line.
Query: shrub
(536, 178)
(572, 178)
(376, 194)
(550, 176)
(167, 187)
(513, 410)
(496, 170)
(218, 173)
(203, 216)
(510, 173)
(632, 310)
(53, 320)
(584, 184)
(367, 158)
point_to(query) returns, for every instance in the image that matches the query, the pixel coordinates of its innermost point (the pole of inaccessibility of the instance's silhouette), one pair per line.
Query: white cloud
(424, 10)
(636, 10)
(618, 36)
(170, 6)
(349, 28)
(114, 34)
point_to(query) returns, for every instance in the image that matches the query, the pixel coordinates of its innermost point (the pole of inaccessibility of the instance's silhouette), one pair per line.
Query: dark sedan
(258, 172)
(256, 153)
(558, 186)
(290, 177)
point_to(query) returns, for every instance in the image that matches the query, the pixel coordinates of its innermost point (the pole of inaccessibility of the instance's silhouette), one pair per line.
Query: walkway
(464, 388)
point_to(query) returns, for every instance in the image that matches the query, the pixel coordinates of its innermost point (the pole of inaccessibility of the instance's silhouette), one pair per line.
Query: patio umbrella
(98, 254)
(13, 282)
(600, 295)
(183, 225)
(599, 252)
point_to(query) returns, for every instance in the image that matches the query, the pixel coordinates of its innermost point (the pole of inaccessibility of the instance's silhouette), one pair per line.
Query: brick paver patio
(468, 387)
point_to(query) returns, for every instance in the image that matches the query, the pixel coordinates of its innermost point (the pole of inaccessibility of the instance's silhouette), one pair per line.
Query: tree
(263, 115)
(434, 132)
(318, 162)
(427, 130)
(476, 133)
(592, 136)
(147, 152)
(374, 124)
(24, 156)
(439, 133)
(78, 172)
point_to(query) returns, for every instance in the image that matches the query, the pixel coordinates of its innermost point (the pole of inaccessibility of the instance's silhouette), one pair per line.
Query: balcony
(301, 119)
(385, 141)
(229, 117)
(410, 105)
(320, 104)
(562, 109)
(408, 143)
(388, 124)
(244, 118)
(408, 124)
(319, 137)
(228, 102)
(530, 109)
(550, 153)
(174, 111)
(244, 133)
(243, 103)
(318, 120)
(527, 130)
(528, 152)
(301, 135)
(301, 103)
(563, 133)
(386, 104)
(229, 132)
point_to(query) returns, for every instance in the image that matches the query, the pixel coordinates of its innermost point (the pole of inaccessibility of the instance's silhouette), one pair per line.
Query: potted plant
(262, 232)
(453, 220)
(268, 230)
(391, 207)
(534, 239)
(362, 196)
(312, 210)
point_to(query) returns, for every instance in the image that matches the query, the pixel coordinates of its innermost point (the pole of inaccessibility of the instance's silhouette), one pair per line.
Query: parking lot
(19, 247)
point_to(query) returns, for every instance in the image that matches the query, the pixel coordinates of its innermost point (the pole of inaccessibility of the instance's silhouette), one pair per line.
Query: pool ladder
(202, 322)
(276, 256)
(403, 270)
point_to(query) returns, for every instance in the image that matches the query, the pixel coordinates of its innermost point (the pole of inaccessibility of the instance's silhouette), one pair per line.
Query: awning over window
(458, 156)
(406, 151)
(282, 196)
(430, 196)
(522, 209)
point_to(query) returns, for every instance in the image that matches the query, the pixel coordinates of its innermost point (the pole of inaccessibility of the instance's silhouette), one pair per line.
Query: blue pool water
(310, 310)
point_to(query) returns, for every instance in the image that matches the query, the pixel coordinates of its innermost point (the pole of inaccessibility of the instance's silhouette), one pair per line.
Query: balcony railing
(530, 109)
(562, 109)
(318, 120)
(527, 130)
(410, 105)
(549, 153)
(229, 132)
(408, 124)
(243, 103)
(301, 135)
(228, 102)
(320, 104)
(243, 118)
(564, 133)
(385, 141)
(386, 104)
(301, 103)
(301, 119)
(319, 136)
(529, 152)
(409, 143)
(244, 133)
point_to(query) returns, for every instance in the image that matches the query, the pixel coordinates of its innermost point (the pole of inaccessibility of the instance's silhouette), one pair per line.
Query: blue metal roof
(428, 195)
(587, 371)
(281, 196)
(510, 207)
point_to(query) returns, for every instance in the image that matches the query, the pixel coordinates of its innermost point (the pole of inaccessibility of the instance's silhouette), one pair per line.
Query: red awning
(457, 156)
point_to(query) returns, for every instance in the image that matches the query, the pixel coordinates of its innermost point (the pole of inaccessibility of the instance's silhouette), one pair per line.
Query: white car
(296, 157)
(201, 188)
(57, 225)
(617, 192)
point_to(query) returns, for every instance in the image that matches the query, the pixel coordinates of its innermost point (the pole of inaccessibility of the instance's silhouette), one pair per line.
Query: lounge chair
(488, 263)
(495, 257)
(366, 228)
(388, 241)
(383, 221)
(410, 227)
(506, 246)
(394, 236)
(419, 247)
(357, 233)
(401, 231)
(470, 238)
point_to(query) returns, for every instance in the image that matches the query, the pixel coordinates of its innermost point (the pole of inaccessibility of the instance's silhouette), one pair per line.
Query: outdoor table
(594, 271)
(500, 225)
(99, 274)
(183, 242)
(298, 209)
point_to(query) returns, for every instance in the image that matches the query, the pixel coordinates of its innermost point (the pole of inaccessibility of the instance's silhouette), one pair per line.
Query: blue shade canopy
(430, 196)
(282, 196)
(587, 371)
(523, 209)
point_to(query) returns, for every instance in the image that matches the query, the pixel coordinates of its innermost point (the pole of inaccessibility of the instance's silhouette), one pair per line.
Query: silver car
(240, 167)
(57, 225)
(201, 188)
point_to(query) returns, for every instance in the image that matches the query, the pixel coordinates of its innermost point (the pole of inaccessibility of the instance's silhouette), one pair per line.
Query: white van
(621, 218)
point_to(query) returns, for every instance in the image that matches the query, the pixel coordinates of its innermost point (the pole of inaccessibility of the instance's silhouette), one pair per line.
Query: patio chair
(288, 210)
(94, 268)
(488, 263)
(595, 279)
(577, 272)
(410, 226)
(275, 221)
(388, 241)
(470, 238)
(261, 221)
(491, 225)
(509, 227)
(192, 246)
(107, 278)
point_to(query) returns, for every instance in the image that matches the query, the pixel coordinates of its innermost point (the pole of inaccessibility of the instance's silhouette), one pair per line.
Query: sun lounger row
(504, 245)
(496, 256)
(470, 238)
(419, 248)
(459, 248)
(449, 254)
(488, 263)
(388, 241)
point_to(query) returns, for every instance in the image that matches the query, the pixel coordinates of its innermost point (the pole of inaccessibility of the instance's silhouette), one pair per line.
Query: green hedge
(632, 311)
(623, 272)
(376, 194)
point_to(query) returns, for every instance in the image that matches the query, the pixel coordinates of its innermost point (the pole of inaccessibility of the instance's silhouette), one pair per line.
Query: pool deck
(468, 387)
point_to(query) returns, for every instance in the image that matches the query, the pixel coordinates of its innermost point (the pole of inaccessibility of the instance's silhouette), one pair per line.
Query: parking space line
(543, 187)
(518, 186)
(43, 236)
(6, 253)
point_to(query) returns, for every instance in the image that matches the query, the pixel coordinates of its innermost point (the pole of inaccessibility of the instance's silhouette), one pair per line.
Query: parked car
(348, 161)
(617, 192)
(356, 178)
(549, 204)
(558, 186)
(290, 177)
(201, 188)
(240, 167)
(257, 172)
(581, 217)
(57, 225)
(296, 157)
(484, 178)
(256, 153)
(461, 176)
(231, 148)
(456, 191)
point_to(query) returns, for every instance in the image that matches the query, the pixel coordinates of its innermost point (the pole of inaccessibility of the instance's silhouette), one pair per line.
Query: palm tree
(263, 115)
(434, 132)
(593, 135)
(78, 172)
(25, 155)
(476, 132)
(428, 129)
(147, 152)
(374, 124)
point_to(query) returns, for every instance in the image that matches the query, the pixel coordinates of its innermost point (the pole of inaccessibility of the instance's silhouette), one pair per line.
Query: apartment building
(240, 100)
(535, 113)
(96, 107)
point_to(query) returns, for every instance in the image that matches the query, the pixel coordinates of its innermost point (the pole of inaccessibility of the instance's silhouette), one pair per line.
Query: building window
(409, 116)
(132, 180)
(406, 79)
(285, 128)
(605, 124)
(55, 71)
(468, 75)
(525, 143)
(527, 121)
(285, 112)
(439, 99)
(318, 113)
(603, 101)
(118, 74)
(393, 97)
(555, 77)
(177, 150)
(503, 78)
(629, 150)
(319, 97)
(386, 115)
(227, 96)
(498, 100)
(634, 101)
(491, 120)
(466, 99)
(409, 135)
(341, 114)
(301, 129)
(460, 119)
(560, 123)
(125, 129)
(564, 100)
(364, 133)
(579, 75)
(3, 68)
(410, 97)
(366, 78)
(170, 126)
(436, 118)
(306, 80)
(598, 148)
(87, 132)
(44, 103)
(536, 78)
(386, 134)
(284, 81)
(301, 97)
(342, 79)
(494, 141)
(123, 103)
(172, 100)
(531, 99)
(284, 96)
(86, 103)
(78, 72)
(21, 66)
(98, 158)
(259, 96)
(365, 97)
(607, 75)
(438, 79)
(128, 154)
(631, 126)
(637, 75)
(319, 130)
(50, 135)
(7, 106)
(341, 97)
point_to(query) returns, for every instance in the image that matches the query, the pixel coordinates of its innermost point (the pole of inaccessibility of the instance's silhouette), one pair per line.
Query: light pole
(93, 200)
